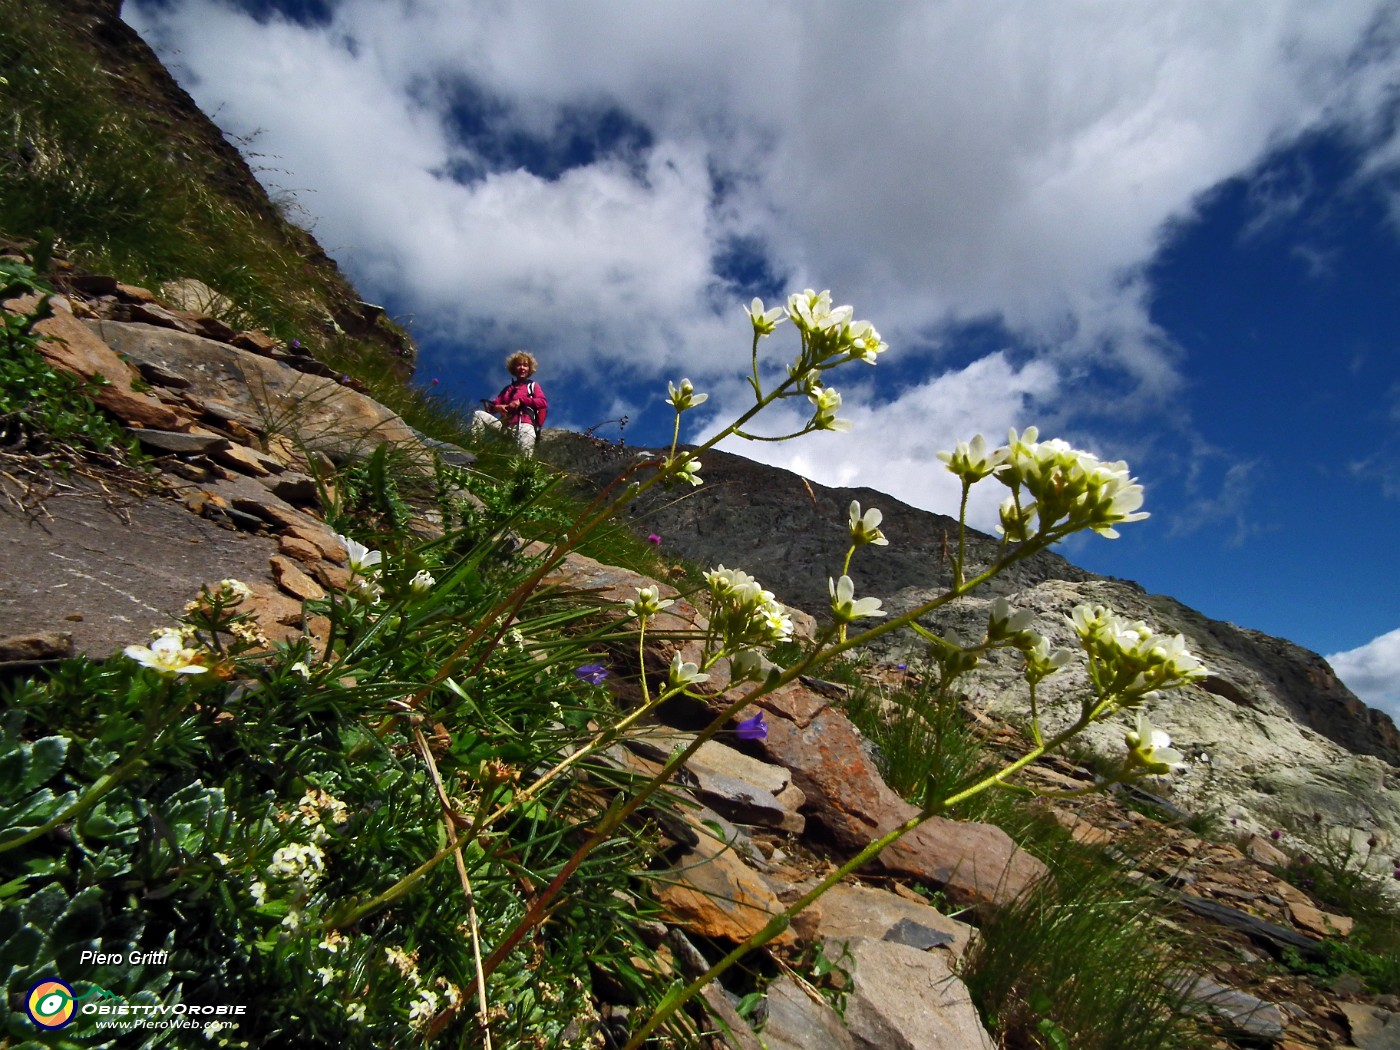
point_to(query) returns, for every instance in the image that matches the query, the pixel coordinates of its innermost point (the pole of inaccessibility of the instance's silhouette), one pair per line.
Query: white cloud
(928, 162)
(892, 447)
(1372, 672)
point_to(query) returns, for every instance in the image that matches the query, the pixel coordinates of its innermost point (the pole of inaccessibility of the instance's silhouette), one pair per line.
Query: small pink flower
(654, 540)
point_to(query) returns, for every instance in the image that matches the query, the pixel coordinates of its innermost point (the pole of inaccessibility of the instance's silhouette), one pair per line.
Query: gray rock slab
(108, 567)
(1238, 1010)
(846, 911)
(316, 411)
(905, 999)
(798, 1021)
(1372, 1028)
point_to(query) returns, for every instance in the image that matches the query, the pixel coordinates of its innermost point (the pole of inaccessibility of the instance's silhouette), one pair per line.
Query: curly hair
(517, 357)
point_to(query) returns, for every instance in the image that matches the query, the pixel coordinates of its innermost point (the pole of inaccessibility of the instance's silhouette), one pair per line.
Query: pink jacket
(532, 402)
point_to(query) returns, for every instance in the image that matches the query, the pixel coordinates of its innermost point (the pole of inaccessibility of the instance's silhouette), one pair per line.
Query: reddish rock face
(974, 863)
(69, 345)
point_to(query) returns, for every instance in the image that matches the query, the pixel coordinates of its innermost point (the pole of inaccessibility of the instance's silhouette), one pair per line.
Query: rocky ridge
(91, 565)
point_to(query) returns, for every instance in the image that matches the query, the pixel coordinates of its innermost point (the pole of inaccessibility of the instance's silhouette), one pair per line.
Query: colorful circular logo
(50, 1003)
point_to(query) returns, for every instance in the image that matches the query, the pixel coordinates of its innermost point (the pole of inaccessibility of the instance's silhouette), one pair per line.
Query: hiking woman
(519, 409)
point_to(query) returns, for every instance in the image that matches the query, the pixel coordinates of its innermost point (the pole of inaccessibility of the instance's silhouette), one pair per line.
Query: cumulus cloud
(931, 162)
(1372, 672)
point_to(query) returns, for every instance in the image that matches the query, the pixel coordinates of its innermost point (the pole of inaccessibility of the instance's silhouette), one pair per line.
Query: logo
(50, 1003)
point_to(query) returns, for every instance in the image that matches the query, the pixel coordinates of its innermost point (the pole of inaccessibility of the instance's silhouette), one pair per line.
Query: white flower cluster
(1054, 486)
(303, 862)
(830, 336)
(426, 1004)
(318, 807)
(828, 332)
(1127, 661)
(744, 614)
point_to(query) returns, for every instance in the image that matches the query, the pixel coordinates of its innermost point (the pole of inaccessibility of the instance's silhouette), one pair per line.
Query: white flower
(1151, 748)
(844, 605)
(423, 1009)
(745, 665)
(647, 603)
(300, 668)
(971, 461)
(355, 1012)
(327, 975)
(167, 655)
(828, 403)
(685, 468)
(1003, 624)
(863, 342)
(1042, 661)
(813, 313)
(684, 396)
(423, 581)
(363, 561)
(866, 528)
(764, 321)
(364, 589)
(258, 891)
(683, 673)
(235, 591)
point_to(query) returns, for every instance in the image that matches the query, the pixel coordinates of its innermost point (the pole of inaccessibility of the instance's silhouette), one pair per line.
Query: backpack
(540, 412)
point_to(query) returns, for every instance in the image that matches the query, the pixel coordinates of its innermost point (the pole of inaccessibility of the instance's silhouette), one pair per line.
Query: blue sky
(1168, 232)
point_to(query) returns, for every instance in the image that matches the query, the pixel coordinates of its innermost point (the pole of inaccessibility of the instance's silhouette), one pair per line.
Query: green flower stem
(754, 382)
(962, 534)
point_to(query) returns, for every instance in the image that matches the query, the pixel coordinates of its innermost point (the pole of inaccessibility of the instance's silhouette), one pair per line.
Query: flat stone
(247, 460)
(178, 442)
(1262, 851)
(846, 911)
(1372, 1028)
(320, 412)
(43, 645)
(301, 550)
(292, 580)
(124, 563)
(294, 487)
(902, 998)
(974, 863)
(798, 1021)
(255, 342)
(1239, 1010)
(712, 892)
(1320, 922)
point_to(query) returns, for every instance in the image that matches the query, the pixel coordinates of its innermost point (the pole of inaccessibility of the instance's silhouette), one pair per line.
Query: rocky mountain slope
(1274, 735)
